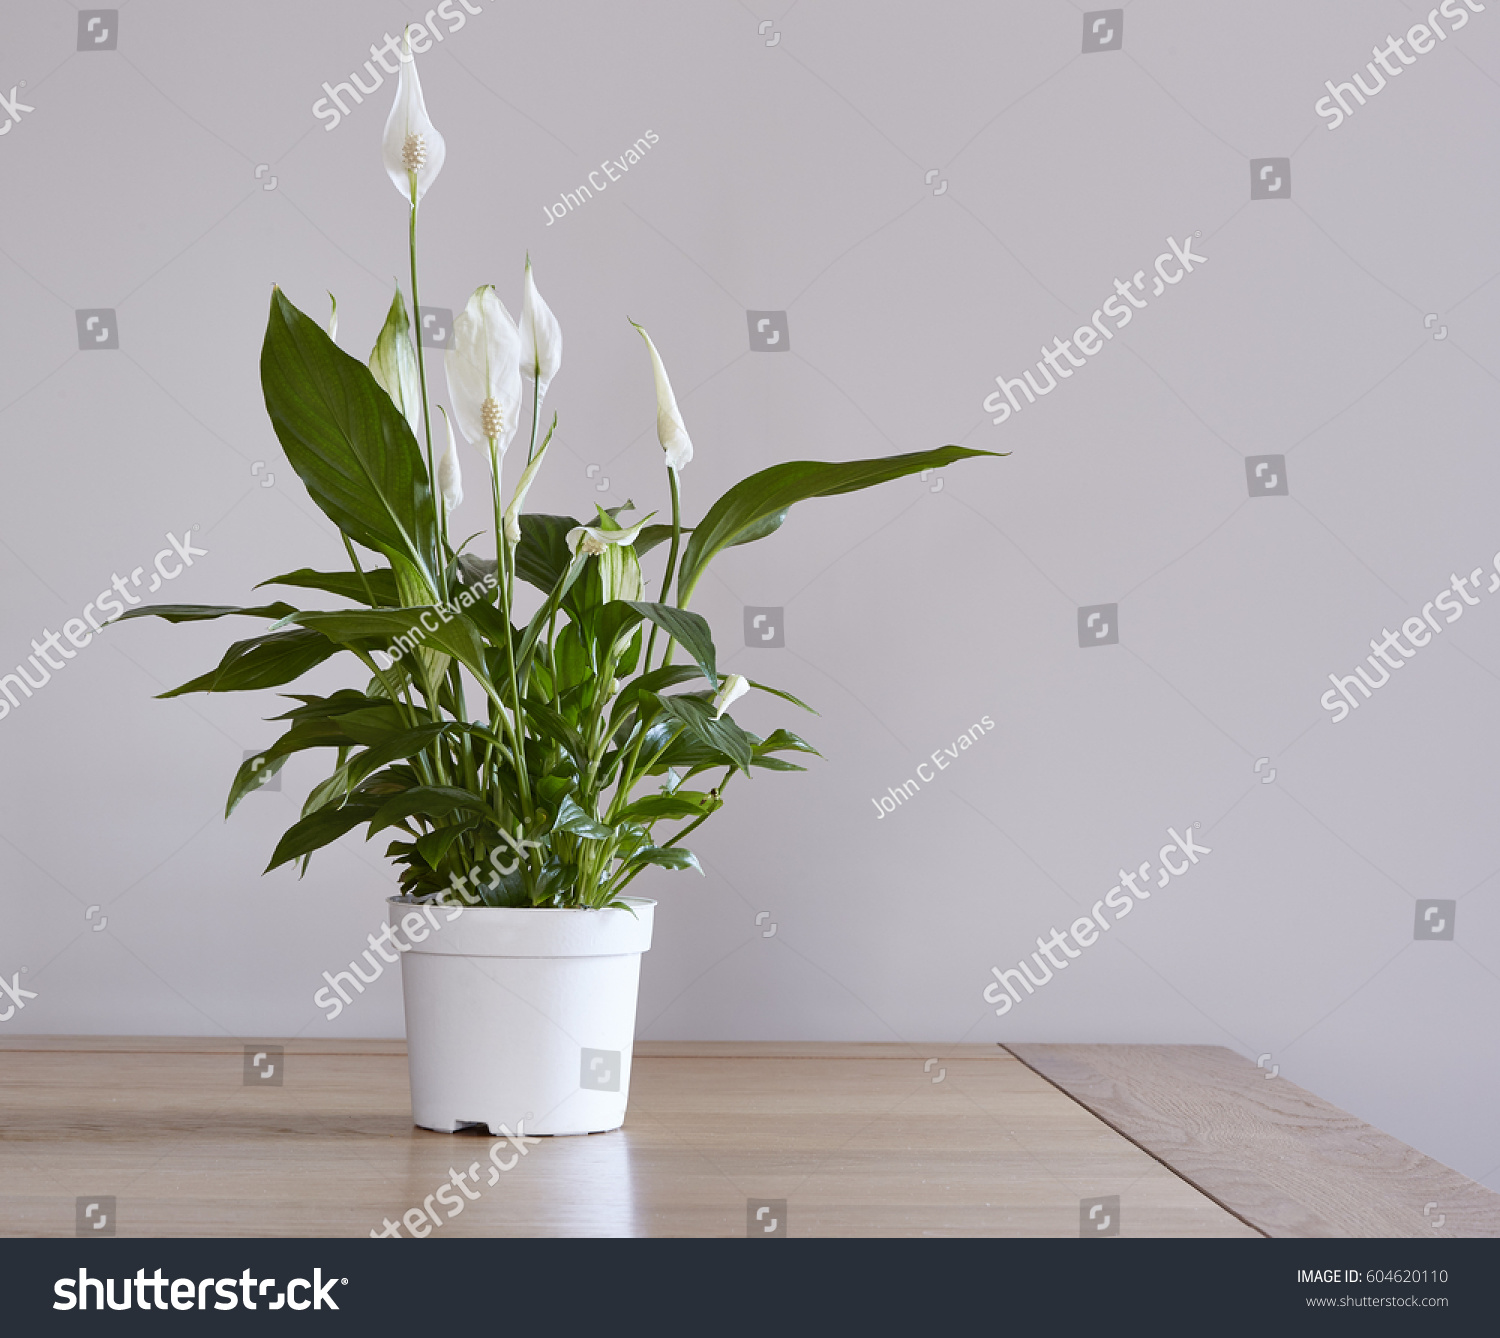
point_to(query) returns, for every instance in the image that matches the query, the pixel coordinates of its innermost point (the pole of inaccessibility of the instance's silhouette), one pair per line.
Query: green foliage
(543, 794)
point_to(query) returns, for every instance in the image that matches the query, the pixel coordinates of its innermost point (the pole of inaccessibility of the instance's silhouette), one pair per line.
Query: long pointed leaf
(749, 510)
(346, 440)
(346, 584)
(194, 613)
(262, 662)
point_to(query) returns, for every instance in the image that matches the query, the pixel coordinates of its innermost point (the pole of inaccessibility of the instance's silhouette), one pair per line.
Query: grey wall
(172, 174)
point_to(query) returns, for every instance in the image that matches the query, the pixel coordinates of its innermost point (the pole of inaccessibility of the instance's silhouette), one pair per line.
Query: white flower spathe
(513, 511)
(484, 371)
(594, 541)
(541, 339)
(670, 429)
(450, 473)
(413, 150)
(730, 691)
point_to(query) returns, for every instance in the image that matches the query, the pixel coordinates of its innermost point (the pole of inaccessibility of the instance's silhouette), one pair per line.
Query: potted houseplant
(528, 771)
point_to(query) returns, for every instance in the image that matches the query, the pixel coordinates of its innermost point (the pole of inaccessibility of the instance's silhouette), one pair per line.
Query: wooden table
(863, 1140)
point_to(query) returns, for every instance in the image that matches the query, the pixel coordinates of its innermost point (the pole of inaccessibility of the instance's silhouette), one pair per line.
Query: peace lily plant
(572, 775)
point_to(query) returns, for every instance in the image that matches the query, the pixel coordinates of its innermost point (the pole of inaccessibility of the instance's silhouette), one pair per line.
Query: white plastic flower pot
(519, 1015)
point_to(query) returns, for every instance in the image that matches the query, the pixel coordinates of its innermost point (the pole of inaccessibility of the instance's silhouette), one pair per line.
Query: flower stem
(666, 584)
(416, 321)
(507, 588)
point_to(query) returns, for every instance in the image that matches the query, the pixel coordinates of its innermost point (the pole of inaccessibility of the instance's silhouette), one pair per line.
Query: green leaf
(755, 506)
(346, 584)
(647, 685)
(346, 440)
(782, 741)
(262, 662)
(317, 830)
(373, 724)
(550, 724)
(690, 631)
(425, 801)
(571, 818)
(342, 701)
(434, 845)
(678, 804)
(722, 735)
(406, 744)
(457, 636)
(193, 613)
(542, 555)
(654, 535)
(258, 768)
(333, 790)
(785, 696)
(668, 857)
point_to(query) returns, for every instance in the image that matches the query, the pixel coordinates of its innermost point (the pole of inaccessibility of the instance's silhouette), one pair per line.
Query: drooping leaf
(317, 830)
(406, 744)
(690, 631)
(425, 800)
(262, 662)
(722, 735)
(646, 686)
(258, 768)
(755, 506)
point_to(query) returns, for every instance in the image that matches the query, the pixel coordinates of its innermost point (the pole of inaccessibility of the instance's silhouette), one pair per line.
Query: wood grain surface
(1281, 1159)
(860, 1140)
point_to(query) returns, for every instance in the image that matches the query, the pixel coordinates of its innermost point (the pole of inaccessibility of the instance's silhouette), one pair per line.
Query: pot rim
(404, 900)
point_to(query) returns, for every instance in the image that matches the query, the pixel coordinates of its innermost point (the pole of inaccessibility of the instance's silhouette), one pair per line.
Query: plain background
(931, 193)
